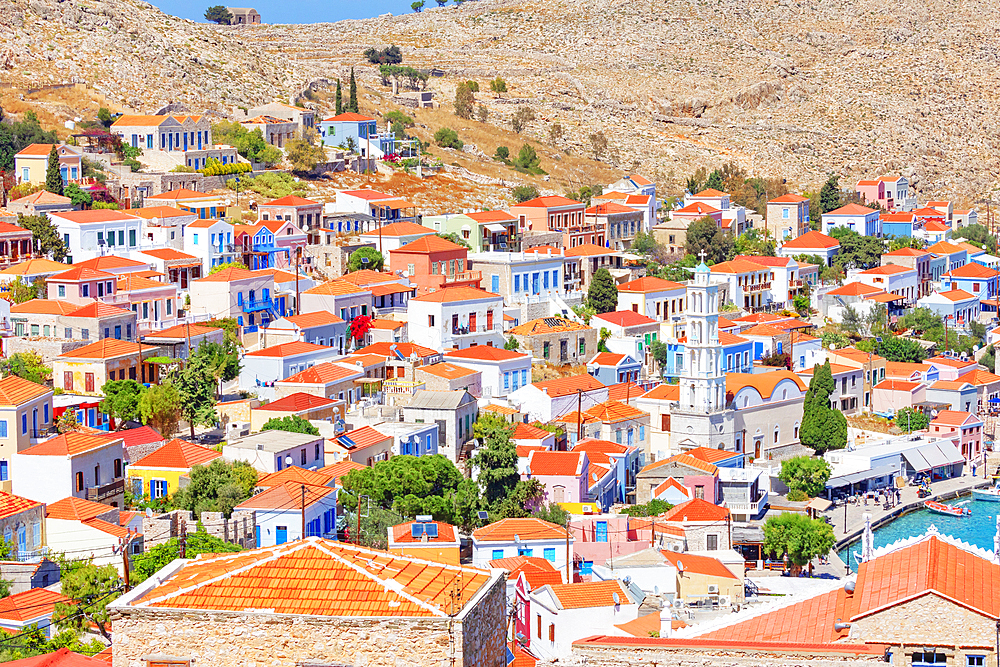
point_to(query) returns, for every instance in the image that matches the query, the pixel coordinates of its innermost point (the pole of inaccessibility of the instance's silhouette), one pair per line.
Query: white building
(749, 283)
(74, 464)
(524, 277)
(89, 234)
(163, 226)
(734, 218)
(544, 401)
(279, 511)
(91, 530)
(271, 451)
(235, 292)
(394, 236)
(456, 317)
(657, 299)
(893, 278)
(211, 241)
(565, 613)
(261, 368)
(811, 243)
(503, 371)
(863, 220)
(522, 537)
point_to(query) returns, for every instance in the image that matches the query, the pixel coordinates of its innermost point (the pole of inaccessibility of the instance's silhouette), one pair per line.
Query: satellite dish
(616, 598)
(656, 590)
(406, 274)
(517, 539)
(680, 566)
(149, 513)
(288, 461)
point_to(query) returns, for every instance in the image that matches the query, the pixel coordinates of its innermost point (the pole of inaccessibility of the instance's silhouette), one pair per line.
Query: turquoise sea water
(977, 529)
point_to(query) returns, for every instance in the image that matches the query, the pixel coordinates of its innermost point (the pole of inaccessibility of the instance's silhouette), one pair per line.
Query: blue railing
(257, 305)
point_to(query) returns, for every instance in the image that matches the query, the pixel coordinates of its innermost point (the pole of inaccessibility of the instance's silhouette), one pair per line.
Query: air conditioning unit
(675, 547)
(713, 589)
(587, 509)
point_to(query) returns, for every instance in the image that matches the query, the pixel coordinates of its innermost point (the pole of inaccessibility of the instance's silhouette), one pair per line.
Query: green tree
(654, 507)
(659, 351)
(19, 291)
(27, 365)
(511, 344)
(829, 195)
(754, 242)
(498, 86)
(857, 251)
(823, 428)
(989, 360)
(895, 348)
(339, 99)
(223, 358)
(104, 115)
(798, 536)
(644, 243)
(553, 513)
(978, 234)
(496, 458)
(908, 419)
(195, 384)
(365, 258)
(523, 193)
(159, 407)
(526, 498)
(448, 138)
(417, 6)
(154, 559)
(79, 197)
(95, 587)
(352, 100)
(602, 294)
(527, 159)
(375, 524)
(704, 234)
(290, 423)
(802, 306)
(464, 101)
(20, 134)
(53, 175)
(304, 156)
(390, 55)
(522, 117)
(45, 237)
(808, 474)
(228, 265)
(850, 321)
(218, 14)
(217, 487)
(121, 400)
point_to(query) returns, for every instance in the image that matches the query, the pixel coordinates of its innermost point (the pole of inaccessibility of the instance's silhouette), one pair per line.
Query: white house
(91, 530)
(271, 451)
(211, 241)
(264, 367)
(163, 226)
(279, 511)
(564, 613)
(395, 236)
(89, 234)
(531, 276)
(546, 400)
(457, 317)
(503, 371)
(893, 278)
(411, 439)
(863, 220)
(522, 537)
(657, 299)
(786, 282)
(238, 293)
(74, 464)
(957, 305)
(811, 243)
(749, 283)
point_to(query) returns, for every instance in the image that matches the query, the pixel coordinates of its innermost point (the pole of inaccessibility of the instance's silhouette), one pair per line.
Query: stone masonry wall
(239, 640)
(484, 629)
(47, 348)
(632, 656)
(929, 620)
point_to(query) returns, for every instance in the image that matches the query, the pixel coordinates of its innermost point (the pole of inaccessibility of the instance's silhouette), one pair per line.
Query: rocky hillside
(784, 88)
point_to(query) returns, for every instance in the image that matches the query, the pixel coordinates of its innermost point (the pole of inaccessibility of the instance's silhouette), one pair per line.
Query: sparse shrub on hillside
(498, 85)
(406, 75)
(598, 144)
(271, 185)
(387, 56)
(473, 86)
(522, 117)
(527, 160)
(216, 168)
(555, 132)
(482, 113)
(417, 6)
(464, 99)
(448, 138)
(502, 154)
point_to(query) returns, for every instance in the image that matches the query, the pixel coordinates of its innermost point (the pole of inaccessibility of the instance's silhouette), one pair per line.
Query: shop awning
(916, 460)
(934, 456)
(184, 265)
(819, 504)
(496, 229)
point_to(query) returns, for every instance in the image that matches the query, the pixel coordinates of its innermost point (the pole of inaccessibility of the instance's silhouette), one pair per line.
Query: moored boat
(991, 494)
(948, 510)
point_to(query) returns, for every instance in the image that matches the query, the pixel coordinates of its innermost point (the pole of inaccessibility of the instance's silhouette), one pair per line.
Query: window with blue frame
(497, 554)
(545, 280)
(587, 567)
(4, 473)
(550, 554)
(158, 488)
(524, 551)
(24, 424)
(524, 377)
(601, 531)
(642, 432)
(517, 283)
(506, 381)
(45, 413)
(555, 279)
(3, 428)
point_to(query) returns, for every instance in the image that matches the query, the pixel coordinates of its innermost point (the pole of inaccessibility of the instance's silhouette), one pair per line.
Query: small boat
(948, 510)
(991, 494)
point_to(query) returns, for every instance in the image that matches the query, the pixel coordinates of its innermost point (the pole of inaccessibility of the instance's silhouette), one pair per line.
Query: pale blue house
(361, 131)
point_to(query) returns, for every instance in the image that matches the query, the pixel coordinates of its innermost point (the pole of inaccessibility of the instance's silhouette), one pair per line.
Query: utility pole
(298, 255)
(357, 538)
(304, 511)
(652, 533)
(569, 560)
(182, 540)
(579, 415)
(123, 543)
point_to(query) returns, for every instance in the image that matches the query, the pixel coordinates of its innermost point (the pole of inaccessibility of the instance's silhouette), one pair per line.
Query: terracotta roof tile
(76, 509)
(325, 373)
(612, 411)
(11, 504)
(365, 436)
(527, 529)
(178, 454)
(696, 510)
(16, 390)
(452, 294)
(485, 353)
(547, 325)
(537, 571)
(298, 402)
(288, 496)
(384, 349)
(625, 318)
(543, 462)
(650, 284)
(550, 201)
(30, 604)
(568, 385)
(812, 239)
(106, 348)
(68, 444)
(339, 469)
(289, 349)
(397, 229)
(695, 564)
(403, 533)
(590, 594)
(448, 371)
(428, 244)
(664, 392)
(297, 475)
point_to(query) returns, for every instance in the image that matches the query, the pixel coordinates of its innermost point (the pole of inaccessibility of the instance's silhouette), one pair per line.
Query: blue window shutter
(497, 554)
(550, 554)
(3, 431)
(495, 283)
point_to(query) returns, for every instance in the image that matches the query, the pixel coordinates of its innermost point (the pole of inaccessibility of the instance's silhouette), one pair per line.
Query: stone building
(556, 340)
(313, 602)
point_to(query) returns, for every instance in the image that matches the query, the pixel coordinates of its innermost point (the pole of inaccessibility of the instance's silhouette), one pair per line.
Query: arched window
(777, 433)
(796, 430)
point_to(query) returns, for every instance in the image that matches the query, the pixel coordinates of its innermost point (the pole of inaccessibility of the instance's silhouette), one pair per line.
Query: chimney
(666, 617)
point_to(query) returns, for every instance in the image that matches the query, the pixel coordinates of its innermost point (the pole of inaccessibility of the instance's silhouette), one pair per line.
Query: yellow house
(31, 163)
(430, 540)
(86, 369)
(25, 417)
(703, 577)
(159, 474)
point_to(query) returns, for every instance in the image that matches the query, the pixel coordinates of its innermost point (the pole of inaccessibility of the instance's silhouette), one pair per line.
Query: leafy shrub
(522, 117)
(523, 193)
(216, 168)
(473, 86)
(502, 154)
(448, 138)
(797, 495)
(387, 56)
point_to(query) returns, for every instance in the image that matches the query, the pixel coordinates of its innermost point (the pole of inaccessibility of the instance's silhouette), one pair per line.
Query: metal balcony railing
(257, 305)
(100, 493)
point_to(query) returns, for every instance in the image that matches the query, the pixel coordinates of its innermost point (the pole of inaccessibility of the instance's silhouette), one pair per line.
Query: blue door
(91, 418)
(602, 532)
(256, 531)
(495, 284)
(281, 535)
(534, 283)
(185, 141)
(199, 140)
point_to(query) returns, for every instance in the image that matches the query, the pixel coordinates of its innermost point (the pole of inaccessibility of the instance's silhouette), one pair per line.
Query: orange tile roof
(177, 454)
(366, 277)
(897, 385)
(288, 496)
(568, 385)
(319, 578)
(391, 288)
(551, 201)
(406, 349)
(537, 571)
(625, 318)
(428, 244)
(704, 565)
(590, 249)
(387, 325)
(590, 594)
(575, 417)
(298, 402)
(978, 377)
(944, 248)
(398, 229)
(613, 411)
(42, 197)
(502, 409)
(367, 194)
(180, 194)
(106, 348)
(297, 475)
(16, 390)
(340, 469)
(11, 504)
(485, 353)
(664, 392)
(973, 270)
(335, 288)
(764, 383)
(151, 212)
(348, 116)
(492, 216)
(43, 307)
(41, 149)
(948, 361)
(230, 274)
(954, 418)
(899, 369)
(544, 462)
(403, 533)
(134, 283)
(524, 431)
(547, 325)
(527, 529)
(649, 284)
(96, 215)
(33, 267)
(448, 371)
(851, 209)
(836, 369)
(365, 437)
(290, 200)
(99, 309)
(788, 199)
(645, 626)
(606, 359)
(807, 622)
(738, 266)
(364, 360)
(82, 273)
(696, 208)
(686, 460)
(288, 349)
(30, 604)
(856, 355)
(68, 444)
(182, 331)
(696, 510)
(812, 239)
(624, 390)
(887, 270)
(167, 254)
(600, 451)
(452, 294)
(107, 262)
(76, 509)
(949, 386)
(668, 483)
(710, 455)
(956, 295)
(906, 252)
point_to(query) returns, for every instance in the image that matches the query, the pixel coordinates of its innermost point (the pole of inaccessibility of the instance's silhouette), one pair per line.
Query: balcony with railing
(757, 287)
(101, 493)
(463, 277)
(258, 305)
(398, 386)
(751, 508)
(477, 329)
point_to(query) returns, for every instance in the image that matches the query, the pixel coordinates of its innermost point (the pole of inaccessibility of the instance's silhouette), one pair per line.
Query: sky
(302, 11)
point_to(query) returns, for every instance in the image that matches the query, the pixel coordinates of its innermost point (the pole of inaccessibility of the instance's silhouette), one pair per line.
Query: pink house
(894, 395)
(963, 425)
(563, 474)
(601, 537)
(82, 285)
(875, 191)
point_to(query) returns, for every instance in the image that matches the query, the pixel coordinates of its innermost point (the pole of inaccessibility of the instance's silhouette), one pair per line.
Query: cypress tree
(340, 99)
(53, 177)
(352, 102)
(823, 428)
(602, 295)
